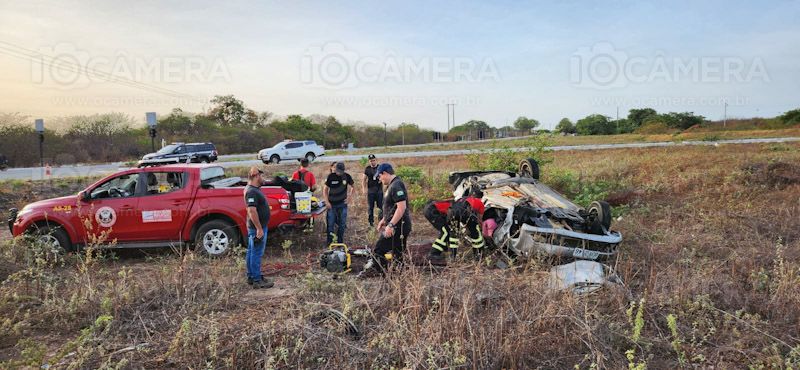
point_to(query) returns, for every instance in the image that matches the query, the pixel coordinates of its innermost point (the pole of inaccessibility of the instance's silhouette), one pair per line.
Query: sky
(397, 62)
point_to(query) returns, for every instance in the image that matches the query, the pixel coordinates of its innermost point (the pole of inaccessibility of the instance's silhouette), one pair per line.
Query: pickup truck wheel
(274, 159)
(311, 156)
(216, 238)
(52, 237)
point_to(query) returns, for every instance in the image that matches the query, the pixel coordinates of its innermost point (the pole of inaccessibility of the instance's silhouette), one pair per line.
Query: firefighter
(463, 214)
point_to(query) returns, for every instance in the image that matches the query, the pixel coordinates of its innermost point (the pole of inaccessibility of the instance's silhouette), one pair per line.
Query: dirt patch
(775, 174)
(7, 268)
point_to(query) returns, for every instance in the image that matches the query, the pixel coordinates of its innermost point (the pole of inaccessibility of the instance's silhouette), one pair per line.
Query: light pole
(39, 123)
(384, 134)
(403, 132)
(151, 122)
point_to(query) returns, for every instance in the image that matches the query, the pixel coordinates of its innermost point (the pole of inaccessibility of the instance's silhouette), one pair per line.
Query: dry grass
(710, 261)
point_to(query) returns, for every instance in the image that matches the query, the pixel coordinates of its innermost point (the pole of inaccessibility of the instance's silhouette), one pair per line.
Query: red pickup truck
(157, 206)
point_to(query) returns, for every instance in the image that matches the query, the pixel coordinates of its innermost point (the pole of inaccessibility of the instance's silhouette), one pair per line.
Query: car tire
(55, 236)
(275, 159)
(216, 238)
(600, 212)
(311, 156)
(529, 168)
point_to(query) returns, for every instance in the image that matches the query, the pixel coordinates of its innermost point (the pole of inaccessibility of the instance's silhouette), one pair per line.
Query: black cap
(371, 156)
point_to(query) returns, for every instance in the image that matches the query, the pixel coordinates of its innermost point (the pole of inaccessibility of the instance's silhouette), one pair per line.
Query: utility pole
(39, 123)
(448, 117)
(725, 114)
(453, 107)
(384, 134)
(403, 132)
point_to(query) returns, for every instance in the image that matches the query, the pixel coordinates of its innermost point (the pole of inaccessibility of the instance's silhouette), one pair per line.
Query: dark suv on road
(181, 153)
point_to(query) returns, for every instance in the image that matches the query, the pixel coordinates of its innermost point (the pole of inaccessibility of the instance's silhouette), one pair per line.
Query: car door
(294, 150)
(112, 207)
(180, 153)
(164, 205)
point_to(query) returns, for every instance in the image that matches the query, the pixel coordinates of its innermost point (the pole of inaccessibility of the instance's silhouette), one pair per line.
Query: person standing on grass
(257, 219)
(373, 189)
(306, 176)
(338, 191)
(394, 227)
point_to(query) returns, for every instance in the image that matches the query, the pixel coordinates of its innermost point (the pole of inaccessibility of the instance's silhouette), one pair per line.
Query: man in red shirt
(445, 215)
(305, 175)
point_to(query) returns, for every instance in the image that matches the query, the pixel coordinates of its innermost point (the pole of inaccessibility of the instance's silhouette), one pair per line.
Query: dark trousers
(396, 245)
(337, 221)
(374, 199)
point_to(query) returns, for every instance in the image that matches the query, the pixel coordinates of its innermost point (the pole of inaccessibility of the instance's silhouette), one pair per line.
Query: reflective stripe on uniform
(453, 243)
(440, 243)
(478, 242)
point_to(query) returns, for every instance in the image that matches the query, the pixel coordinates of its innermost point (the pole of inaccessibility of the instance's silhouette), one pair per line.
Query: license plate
(585, 253)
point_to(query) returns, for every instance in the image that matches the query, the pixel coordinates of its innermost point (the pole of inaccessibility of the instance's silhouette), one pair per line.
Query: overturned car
(531, 218)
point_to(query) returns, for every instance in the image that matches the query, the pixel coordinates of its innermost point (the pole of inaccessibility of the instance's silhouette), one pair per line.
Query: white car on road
(291, 149)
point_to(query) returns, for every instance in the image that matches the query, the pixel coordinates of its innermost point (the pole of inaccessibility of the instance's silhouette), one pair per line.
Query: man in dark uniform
(395, 226)
(338, 191)
(373, 189)
(257, 219)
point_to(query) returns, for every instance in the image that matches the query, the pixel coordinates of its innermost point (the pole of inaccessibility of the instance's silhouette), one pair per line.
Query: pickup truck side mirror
(84, 196)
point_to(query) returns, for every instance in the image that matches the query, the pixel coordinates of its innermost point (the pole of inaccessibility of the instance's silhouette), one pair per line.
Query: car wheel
(600, 217)
(55, 238)
(311, 157)
(216, 238)
(274, 159)
(529, 168)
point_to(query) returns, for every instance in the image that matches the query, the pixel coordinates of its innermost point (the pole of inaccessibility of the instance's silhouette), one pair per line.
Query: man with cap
(395, 225)
(257, 219)
(337, 192)
(372, 187)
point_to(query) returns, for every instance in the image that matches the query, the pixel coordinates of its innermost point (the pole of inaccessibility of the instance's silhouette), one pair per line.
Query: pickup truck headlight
(24, 211)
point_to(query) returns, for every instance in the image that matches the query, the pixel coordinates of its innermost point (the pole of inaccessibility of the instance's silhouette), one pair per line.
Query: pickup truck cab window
(123, 186)
(211, 174)
(164, 182)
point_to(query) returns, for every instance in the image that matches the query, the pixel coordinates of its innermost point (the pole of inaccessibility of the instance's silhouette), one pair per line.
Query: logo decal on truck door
(105, 216)
(164, 215)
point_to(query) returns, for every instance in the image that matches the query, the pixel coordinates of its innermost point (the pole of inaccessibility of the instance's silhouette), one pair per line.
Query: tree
(637, 117)
(232, 112)
(595, 124)
(790, 117)
(473, 128)
(525, 123)
(565, 126)
(681, 120)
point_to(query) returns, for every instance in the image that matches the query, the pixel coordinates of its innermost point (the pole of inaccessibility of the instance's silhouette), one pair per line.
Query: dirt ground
(709, 263)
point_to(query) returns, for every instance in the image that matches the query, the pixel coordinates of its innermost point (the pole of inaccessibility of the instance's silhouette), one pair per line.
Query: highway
(38, 173)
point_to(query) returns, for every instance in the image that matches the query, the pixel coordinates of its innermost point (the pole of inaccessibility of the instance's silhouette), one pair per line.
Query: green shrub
(410, 174)
(505, 158)
(581, 191)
